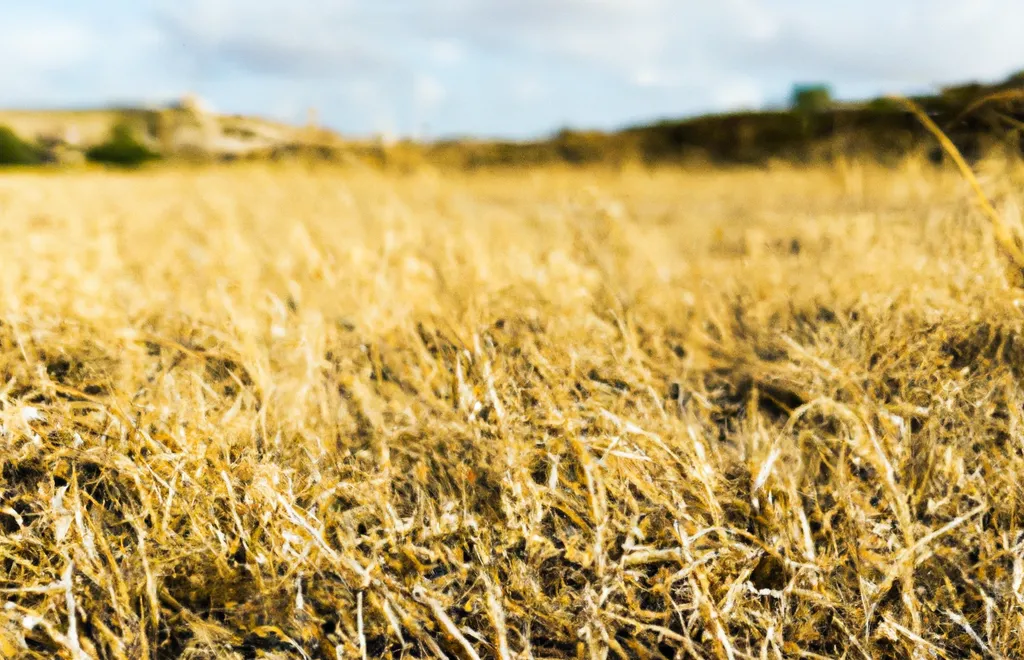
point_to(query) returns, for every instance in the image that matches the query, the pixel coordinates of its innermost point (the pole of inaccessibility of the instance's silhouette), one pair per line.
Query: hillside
(978, 118)
(183, 128)
(876, 129)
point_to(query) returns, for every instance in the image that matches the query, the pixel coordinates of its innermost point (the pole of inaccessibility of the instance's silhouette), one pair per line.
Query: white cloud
(367, 97)
(706, 47)
(36, 47)
(446, 52)
(463, 58)
(653, 78)
(57, 58)
(527, 89)
(913, 42)
(428, 93)
(42, 46)
(700, 46)
(738, 94)
(278, 37)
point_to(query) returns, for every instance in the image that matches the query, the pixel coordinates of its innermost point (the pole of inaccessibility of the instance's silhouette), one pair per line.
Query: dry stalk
(1008, 241)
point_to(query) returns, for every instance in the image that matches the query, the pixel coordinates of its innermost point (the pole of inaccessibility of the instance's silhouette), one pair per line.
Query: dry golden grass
(285, 413)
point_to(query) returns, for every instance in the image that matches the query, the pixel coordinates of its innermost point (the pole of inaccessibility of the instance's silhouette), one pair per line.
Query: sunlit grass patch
(320, 413)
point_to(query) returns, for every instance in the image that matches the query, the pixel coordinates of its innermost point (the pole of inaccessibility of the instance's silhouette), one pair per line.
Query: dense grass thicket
(287, 412)
(122, 149)
(15, 151)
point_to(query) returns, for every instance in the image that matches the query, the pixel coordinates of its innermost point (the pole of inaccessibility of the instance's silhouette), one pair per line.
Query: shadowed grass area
(296, 412)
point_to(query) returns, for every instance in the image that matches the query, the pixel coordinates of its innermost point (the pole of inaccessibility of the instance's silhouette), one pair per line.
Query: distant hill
(875, 128)
(185, 128)
(977, 117)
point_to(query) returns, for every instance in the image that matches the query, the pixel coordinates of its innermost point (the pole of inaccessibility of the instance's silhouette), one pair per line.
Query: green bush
(15, 151)
(811, 98)
(121, 149)
(884, 105)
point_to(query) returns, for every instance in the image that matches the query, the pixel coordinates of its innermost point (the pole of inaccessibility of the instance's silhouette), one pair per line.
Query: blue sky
(515, 68)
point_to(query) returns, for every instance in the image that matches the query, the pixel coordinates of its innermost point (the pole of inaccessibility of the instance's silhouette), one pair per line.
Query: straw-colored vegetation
(276, 412)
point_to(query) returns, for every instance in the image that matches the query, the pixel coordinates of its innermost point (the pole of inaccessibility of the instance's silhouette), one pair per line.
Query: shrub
(811, 98)
(884, 105)
(15, 151)
(121, 149)
(580, 148)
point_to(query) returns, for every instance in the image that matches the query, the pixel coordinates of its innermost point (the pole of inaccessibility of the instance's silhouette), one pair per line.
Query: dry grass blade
(996, 97)
(281, 413)
(1008, 241)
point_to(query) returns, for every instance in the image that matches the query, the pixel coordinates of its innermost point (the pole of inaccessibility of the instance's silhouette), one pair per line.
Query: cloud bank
(498, 66)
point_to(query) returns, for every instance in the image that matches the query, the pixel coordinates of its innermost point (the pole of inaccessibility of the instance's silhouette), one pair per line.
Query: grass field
(294, 413)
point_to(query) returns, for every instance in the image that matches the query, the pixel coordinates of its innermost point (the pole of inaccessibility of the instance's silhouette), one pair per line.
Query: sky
(508, 68)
